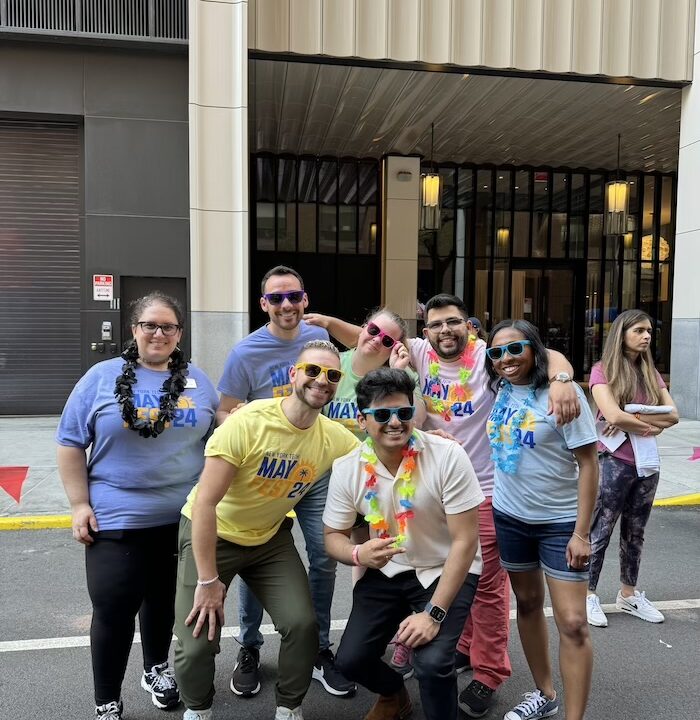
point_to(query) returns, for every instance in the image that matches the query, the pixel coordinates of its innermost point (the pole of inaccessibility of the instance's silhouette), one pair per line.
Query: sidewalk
(29, 441)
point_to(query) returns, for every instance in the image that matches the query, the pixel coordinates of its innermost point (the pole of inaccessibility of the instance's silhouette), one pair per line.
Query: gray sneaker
(534, 706)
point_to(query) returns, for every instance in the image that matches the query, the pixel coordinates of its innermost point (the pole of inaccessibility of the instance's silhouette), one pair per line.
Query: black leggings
(129, 572)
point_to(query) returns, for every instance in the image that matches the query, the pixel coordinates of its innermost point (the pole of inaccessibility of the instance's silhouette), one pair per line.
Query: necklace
(506, 454)
(171, 391)
(407, 489)
(459, 388)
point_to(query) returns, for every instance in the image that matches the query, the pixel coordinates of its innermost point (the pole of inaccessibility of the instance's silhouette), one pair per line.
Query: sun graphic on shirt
(184, 402)
(304, 472)
(528, 422)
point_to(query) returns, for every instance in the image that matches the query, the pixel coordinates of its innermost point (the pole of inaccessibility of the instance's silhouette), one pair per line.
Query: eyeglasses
(451, 323)
(386, 339)
(513, 349)
(151, 328)
(333, 375)
(294, 297)
(383, 415)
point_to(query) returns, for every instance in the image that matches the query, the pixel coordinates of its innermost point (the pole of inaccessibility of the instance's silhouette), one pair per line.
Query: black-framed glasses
(151, 328)
(514, 349)
(386, 339)
(451, 323)
(383, 415)
(333, 375)
(294, 297)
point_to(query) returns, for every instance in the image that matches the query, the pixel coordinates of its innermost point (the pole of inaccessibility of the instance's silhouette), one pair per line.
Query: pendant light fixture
(430, 187)
(617, 197)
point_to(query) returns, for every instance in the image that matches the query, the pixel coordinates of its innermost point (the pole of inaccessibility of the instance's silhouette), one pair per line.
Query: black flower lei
(171, 391)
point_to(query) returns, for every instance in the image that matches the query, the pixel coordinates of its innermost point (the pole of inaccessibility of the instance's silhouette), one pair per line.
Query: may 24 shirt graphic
(283, 475)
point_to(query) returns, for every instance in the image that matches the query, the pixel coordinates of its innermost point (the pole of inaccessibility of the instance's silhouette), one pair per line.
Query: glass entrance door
(546, 297)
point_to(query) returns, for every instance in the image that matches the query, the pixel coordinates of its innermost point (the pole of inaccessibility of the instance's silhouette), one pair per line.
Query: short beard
(456, 354)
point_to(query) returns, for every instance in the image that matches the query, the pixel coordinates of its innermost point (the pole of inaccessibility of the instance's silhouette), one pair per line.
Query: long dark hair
(540, 372)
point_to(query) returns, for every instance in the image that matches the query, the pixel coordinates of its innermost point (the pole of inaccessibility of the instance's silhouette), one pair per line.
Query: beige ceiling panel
(674, 60)
(558, 35)
(527, 34)
(497, 33)
(587, 37)
(616, 37)
(371, 28)
(644, 51)
(435, 31)
(305, 27)
(466, 32)
(301, 81)
(339, 27)
(404, 29)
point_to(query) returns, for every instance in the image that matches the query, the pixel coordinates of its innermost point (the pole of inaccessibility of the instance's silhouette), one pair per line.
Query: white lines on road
(61, 643)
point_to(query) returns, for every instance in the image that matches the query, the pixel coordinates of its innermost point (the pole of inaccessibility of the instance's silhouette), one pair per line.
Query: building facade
(297, 131)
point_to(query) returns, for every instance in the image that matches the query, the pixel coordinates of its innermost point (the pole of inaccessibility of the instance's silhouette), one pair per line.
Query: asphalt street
(641, 670)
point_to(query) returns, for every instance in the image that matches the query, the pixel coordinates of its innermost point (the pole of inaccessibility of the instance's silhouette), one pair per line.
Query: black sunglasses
(513, 349)
(294, 297)
(383, 415)
(374, 331)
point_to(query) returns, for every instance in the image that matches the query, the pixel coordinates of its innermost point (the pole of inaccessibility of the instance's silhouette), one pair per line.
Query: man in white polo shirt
(420, 497)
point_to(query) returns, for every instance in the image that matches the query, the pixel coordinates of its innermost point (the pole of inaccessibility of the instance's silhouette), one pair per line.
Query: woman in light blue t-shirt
(544, 490)
(145, 417)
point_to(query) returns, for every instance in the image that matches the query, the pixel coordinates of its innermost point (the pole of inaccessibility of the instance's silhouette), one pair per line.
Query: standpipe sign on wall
(103, 287)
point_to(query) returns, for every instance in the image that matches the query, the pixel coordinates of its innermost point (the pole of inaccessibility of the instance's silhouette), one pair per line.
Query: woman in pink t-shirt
(625, 374)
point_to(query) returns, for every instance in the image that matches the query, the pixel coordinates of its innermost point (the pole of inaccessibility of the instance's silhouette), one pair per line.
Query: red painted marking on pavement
(12, 479)
(696, 454)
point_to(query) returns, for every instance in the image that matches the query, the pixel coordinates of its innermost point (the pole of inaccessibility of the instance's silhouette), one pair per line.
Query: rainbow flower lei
(506, 455)
(465, 372)
(407, 489)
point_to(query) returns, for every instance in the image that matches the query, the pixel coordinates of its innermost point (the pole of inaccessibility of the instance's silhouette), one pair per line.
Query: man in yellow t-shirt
(259, 464)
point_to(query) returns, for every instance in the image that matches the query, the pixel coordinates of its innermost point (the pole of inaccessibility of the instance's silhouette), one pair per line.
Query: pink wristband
(356, 556)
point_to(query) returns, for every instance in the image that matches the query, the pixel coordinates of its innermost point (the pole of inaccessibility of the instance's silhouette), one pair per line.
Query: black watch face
(437, 613)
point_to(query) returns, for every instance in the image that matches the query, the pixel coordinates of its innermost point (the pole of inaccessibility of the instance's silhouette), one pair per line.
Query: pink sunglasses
(375, 331)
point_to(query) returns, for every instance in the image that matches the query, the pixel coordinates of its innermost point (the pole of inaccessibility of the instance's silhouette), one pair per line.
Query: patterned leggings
(621, 492)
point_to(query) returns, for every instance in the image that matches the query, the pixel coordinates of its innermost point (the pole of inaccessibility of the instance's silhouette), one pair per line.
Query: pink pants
(485, 635)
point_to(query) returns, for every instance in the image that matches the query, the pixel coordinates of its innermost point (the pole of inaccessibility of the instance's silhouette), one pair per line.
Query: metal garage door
(39, 265)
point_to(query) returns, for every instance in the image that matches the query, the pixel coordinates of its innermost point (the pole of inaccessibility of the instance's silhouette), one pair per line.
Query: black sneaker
(109, 711)
(462, 662)
(326, 673)
(245, 680)
(475, 699)
(160, 682)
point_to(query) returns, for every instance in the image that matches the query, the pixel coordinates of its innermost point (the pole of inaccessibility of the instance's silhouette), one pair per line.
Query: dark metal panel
(39, 265)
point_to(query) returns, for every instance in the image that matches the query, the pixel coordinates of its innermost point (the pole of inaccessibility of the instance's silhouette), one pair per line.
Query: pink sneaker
(402, 660)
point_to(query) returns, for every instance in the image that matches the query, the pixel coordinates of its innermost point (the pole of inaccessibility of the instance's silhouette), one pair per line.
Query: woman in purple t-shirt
(625, 374)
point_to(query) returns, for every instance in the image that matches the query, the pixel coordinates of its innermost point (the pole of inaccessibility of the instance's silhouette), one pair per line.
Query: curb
(35, 522)
(679, 501)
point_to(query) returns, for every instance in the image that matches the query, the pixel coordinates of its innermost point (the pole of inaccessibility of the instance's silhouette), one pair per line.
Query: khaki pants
(274, 572)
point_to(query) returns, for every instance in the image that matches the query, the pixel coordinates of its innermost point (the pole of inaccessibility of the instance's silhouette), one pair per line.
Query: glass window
(576, 215)
(368, 230)
(499, 297)
(521, 219)
(560, 216)
(595, 217)
(540, 213)
(629, 285)
(481, 292)
(286, 227)
(503, 213)
(327, 210)
(265, 224)
(484, 192)
(265, 179)
(592, 349)
(347, 236)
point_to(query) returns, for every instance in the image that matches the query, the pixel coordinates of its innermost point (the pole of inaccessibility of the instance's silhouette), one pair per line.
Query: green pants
(274, 572)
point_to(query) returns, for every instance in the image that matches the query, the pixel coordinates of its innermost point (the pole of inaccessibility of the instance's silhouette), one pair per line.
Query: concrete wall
(639, 38)
(133, 107)
(685, 338)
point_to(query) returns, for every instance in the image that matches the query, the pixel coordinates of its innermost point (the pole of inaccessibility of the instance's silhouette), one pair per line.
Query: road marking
(229, 631)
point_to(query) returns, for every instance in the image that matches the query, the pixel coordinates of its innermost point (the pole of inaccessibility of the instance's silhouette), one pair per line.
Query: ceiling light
(430, 192)
(617, 196)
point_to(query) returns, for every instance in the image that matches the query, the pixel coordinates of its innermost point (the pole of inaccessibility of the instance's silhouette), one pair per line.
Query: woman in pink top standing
(625, 374)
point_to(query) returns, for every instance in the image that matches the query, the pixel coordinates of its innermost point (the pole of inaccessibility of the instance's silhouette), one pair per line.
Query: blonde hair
(625, 378)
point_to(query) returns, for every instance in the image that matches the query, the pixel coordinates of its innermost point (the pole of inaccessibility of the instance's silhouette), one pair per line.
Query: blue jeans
(309, 512)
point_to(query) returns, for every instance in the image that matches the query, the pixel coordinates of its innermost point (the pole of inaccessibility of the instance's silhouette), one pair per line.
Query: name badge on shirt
(191, 384)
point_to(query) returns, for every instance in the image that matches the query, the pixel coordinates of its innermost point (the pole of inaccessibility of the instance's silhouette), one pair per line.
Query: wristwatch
(437, 613)
(561, 377)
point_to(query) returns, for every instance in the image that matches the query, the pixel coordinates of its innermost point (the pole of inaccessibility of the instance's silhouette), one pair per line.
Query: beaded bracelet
(202, 583)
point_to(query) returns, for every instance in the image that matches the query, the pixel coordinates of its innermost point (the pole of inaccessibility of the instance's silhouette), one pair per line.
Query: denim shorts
(529, 546)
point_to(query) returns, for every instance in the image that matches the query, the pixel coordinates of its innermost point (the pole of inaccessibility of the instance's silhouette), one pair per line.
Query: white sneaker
(594, 612)
(284, 713)
(639, 606)
(197, 714)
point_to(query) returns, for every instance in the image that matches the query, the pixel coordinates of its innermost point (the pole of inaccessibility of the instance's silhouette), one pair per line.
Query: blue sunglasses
(383, 415)
(496, 352)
